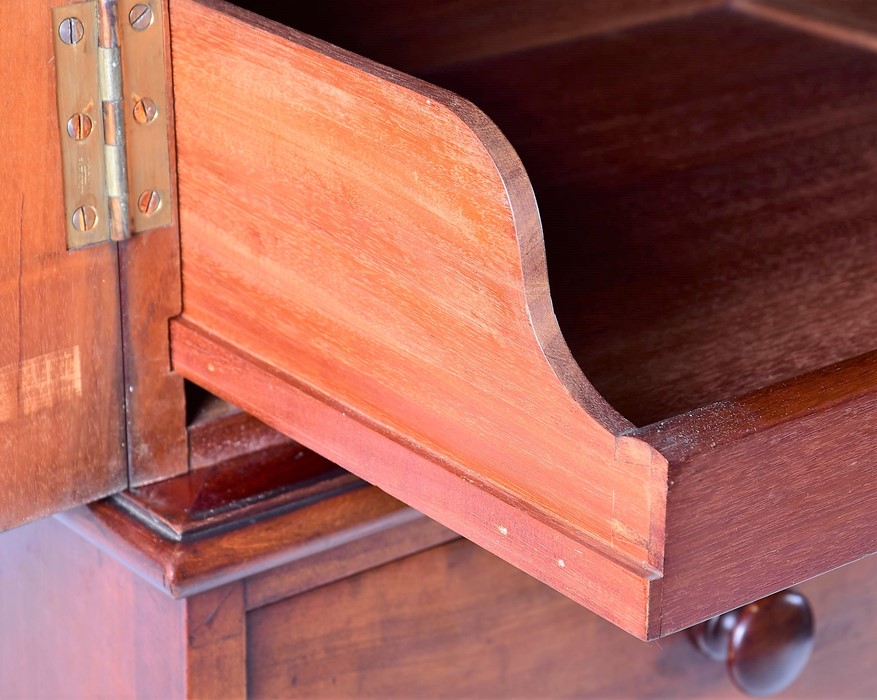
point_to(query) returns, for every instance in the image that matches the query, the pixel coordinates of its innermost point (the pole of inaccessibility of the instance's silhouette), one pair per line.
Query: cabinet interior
(706, 183)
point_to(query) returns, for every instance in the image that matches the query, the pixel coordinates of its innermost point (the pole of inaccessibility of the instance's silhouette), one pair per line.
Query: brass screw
(84, 218)
(145, 110)
(71, 31)
(79, 127)
(140, 16)
(149, 202)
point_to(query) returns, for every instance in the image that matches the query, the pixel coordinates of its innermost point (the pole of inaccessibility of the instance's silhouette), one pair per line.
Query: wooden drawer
(457, 622)
(693, 429)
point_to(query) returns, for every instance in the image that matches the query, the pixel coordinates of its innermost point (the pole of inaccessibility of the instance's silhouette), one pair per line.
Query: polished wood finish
(706, 218)
(690, 205)
(61, 403)
(183, 535)
(78, 623)
(851, 21)
(436, 329)
(217, 648)
(275, 478)
(765, 644)
(543, 546)
(797, 460)
(456, 622)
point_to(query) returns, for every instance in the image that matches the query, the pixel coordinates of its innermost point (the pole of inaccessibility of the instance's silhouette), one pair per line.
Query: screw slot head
(71, 31)
(84, 218)
(145, 110)
(149, 202)
(79, 127)
(140, 17)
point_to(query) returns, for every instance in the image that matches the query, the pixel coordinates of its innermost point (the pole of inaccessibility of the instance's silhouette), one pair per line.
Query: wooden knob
(765, 644)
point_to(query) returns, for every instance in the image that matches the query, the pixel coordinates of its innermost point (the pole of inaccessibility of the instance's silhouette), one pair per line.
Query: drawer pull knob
(765, 644)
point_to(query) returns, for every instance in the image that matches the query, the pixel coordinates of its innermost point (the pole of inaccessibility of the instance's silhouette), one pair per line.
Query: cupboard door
(61, 400)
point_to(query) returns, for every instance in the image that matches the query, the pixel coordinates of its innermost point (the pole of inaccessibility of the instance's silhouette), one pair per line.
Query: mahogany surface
(456, 622)
(708, 220)
(62, 420)
(708, 213)
(155, 531)
(219, 431)
(768, 490)
(78, 623)
(545, 547)
(398, 274)
(433, 33)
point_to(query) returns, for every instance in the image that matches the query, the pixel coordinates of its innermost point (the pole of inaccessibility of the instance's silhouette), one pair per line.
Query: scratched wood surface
(61, 404)
(149, 268)
(768, 490)
(436, 328)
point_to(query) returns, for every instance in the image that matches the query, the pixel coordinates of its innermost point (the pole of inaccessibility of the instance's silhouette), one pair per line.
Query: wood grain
(436, 326)
(219, 431)
(214, 498)
(518, 530)
(708, 219)
(302, 532)
(76, 623)
(452, 621)
(768, 490)
(61, 403)
(456, 622)
(850, 21)
(216, 644)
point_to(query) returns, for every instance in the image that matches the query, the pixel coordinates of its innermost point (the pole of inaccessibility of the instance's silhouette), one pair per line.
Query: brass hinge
(111, 84)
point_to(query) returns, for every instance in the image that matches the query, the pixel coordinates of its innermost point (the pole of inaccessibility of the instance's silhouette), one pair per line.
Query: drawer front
(456, 621)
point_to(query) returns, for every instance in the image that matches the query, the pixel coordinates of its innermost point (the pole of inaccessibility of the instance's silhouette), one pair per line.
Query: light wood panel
(377, 239)
(61, 405)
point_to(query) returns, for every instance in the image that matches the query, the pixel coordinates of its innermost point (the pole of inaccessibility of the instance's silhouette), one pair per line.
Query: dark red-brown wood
(765, 645)
(707, 216)
(386, 614)
(708, 212)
